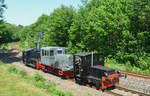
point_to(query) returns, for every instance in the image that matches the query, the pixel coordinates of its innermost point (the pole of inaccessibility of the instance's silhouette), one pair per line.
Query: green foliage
(112, 63)
(118, 28)
(38, 77)
(40, 82)
(59, 92)
(58, 24)
(8, 33)
(13, 69)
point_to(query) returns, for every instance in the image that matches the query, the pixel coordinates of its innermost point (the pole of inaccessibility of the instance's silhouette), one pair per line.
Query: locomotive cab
(89, 68)
(30, 56)
(54, 58)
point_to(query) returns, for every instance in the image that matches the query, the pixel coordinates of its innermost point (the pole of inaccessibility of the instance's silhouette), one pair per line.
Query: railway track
(136, 75)
(112, 93)
(125, 90)
(132, 91)
(119, 88)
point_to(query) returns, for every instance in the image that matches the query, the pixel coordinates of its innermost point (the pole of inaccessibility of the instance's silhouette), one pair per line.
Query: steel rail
(132, 91)
(136, 75)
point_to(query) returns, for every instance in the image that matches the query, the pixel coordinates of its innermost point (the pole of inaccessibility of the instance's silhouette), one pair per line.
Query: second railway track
(122, 89)
(136, 75)
(132, 91)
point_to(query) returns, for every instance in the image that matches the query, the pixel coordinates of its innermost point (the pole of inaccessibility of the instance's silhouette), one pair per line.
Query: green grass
(111, 63)
(88, 94)
(14, 85)
(16, 82)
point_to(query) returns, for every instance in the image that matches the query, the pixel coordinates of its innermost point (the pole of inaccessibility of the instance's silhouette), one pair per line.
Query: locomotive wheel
(63, 77)
(97, 85)
(103, 90)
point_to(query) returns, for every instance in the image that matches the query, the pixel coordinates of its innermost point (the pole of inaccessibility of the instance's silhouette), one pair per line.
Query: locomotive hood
(64, 62)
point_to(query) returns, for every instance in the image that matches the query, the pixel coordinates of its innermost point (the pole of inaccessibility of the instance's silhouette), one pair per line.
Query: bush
(126, 57)
(128, 66)
(59, 92)
(49, 86)
(13, 69)
(38, 77)
(144, 63)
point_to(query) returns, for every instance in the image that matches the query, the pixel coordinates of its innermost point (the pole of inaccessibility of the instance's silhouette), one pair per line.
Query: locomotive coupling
(122, 75)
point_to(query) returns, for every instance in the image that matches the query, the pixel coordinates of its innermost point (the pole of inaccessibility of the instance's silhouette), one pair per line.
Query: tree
(59, 23)
(99, 26)
(2, 7)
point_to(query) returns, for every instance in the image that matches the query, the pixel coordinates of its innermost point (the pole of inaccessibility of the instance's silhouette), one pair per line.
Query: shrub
(38, 77)
(58, 92)
(128, 66)
(144, 63)
(13, 69)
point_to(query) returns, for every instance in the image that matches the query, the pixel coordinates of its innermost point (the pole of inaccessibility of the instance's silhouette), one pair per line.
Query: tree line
(120, 29)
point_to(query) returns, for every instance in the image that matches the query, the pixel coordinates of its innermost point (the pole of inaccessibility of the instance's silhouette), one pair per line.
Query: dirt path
(14, 57)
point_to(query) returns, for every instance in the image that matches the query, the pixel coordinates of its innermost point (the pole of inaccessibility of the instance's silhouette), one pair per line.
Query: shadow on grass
(9, 57)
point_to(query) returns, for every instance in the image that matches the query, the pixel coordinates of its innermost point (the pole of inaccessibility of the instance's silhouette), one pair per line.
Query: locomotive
(50, 59)
(85, 68)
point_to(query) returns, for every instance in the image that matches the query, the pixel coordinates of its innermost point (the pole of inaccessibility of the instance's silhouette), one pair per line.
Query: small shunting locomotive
(89, 68)
(85, 68)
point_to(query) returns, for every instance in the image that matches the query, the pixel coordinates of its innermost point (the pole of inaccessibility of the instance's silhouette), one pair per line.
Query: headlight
(106, 74)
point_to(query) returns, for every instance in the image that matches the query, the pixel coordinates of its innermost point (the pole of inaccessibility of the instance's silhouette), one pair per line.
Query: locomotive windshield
(59, 52)
(109, 72)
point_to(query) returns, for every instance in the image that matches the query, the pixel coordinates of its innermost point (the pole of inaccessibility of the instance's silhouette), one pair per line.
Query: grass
(111, 63)
(16, 82)
(88, 94)
(14, 85)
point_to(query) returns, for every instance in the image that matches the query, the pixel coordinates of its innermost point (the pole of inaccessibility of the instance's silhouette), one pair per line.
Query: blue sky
(26, 12)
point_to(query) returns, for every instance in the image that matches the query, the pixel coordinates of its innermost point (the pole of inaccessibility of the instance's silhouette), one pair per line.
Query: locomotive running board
(32, 65)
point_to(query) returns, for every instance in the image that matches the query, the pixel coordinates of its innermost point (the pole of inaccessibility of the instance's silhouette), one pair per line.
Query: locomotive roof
(84, 54)
(103, 68)
(29, 49)
(53, 47)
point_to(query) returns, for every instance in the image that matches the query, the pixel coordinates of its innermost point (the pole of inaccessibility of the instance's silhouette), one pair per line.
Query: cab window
(51, 53)
(42, 52)
(59, 51)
